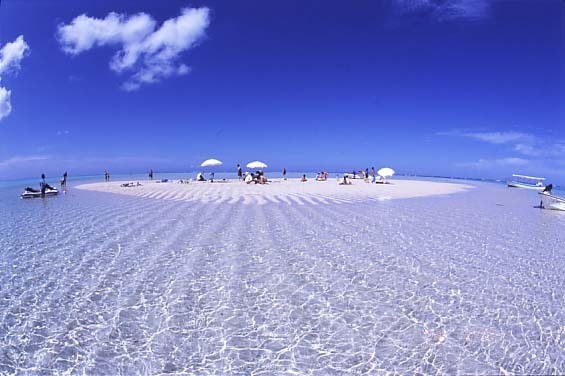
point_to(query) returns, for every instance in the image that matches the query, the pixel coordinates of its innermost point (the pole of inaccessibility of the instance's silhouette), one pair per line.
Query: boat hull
(30, 194)
(552, 202)
(514, 184)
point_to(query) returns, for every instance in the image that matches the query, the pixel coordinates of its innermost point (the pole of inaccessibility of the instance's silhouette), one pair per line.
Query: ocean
(101, 283)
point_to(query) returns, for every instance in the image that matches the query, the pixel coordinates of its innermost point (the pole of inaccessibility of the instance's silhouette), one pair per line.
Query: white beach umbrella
(211, 163)
(385, 172)
(256, 164)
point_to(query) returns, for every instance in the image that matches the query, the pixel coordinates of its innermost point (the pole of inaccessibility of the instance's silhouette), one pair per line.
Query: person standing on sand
(239, 172)
(151, 174)
(284, 173)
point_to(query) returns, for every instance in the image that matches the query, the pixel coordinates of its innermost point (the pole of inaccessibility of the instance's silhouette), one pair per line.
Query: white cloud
(11, 56)
(527, 149)
(21, 160)
(446, 10)
(149, 54)
(493, 163)
(5, 105)
(499, 137)
(492, 137)
(526, 144)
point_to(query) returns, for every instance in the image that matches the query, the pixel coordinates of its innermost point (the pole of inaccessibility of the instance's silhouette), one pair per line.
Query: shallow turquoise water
(107, 284)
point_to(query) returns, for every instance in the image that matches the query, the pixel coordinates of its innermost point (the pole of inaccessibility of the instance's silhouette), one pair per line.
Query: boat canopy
(527, 177)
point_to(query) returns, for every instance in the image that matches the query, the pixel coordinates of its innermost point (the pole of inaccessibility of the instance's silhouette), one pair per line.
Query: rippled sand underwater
(106, 284)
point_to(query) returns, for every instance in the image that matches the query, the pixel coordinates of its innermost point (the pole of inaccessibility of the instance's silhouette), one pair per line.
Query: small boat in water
(33, 193)
(526, 182)
(550, 201)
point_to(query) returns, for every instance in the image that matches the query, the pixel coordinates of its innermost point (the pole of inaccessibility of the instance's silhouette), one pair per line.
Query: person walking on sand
(239, 172)
(284, 173)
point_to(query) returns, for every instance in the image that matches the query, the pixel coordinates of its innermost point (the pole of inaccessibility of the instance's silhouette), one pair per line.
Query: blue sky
(447, 87)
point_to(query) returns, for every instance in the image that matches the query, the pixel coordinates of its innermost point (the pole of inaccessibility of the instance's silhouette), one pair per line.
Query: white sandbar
(290, 191)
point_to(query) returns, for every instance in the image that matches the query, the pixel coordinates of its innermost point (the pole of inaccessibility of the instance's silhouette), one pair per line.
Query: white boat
(526, 182)
(33, 193)
(549, 201)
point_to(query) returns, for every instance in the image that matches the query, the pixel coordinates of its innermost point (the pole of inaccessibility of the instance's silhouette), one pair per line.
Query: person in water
(151, 174)
(43, 185)
(64, 180)
(284, 173)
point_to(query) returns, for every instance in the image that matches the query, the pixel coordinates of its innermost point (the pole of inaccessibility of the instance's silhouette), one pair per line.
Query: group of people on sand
(106, 176)
(249, 177)
(257, 178)
(367, 176)
(131, 184)
(322, 176)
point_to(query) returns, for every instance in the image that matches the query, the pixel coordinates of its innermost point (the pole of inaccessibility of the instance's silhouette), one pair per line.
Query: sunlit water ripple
(104, 284)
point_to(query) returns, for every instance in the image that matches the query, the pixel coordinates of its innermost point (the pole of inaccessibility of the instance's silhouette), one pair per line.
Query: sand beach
(290, 191)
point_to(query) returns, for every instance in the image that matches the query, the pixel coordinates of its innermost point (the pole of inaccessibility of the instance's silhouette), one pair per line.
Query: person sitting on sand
(345, 181)
(303, 180)
(248, 178)
(200, 177)
(260, 177)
